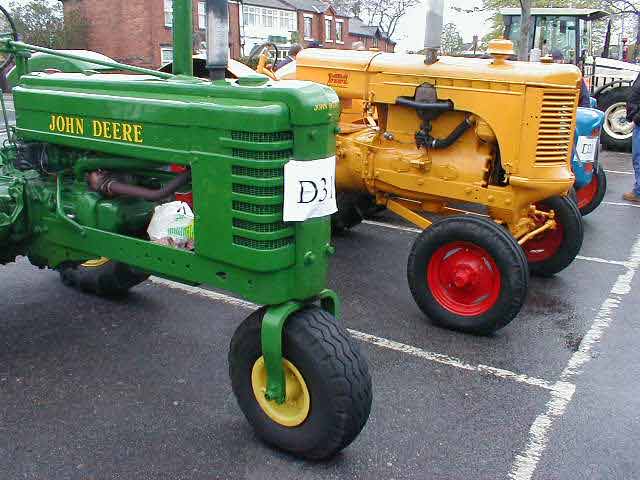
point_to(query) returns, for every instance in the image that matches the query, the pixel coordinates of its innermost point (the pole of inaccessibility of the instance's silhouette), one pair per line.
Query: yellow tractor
(486, 143)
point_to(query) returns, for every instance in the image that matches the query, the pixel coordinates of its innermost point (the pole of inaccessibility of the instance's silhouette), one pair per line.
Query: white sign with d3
(587, 148)
(309, 189)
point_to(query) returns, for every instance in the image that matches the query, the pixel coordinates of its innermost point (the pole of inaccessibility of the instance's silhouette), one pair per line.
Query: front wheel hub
(295, 410)
(464, 279)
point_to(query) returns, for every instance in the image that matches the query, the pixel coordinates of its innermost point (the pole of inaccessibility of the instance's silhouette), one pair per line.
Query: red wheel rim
(588, 193)
(546, 245)
(464, 279)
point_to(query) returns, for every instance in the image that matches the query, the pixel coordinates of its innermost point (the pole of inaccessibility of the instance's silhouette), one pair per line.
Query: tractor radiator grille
(261, 137)
(258, 191)
(557, 123)
(257, 172)
(269, 155)
(257, 209)
(259, 227)
(263, 244)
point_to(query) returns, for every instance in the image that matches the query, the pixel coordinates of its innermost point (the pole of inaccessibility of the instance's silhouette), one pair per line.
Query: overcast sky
(410, 33)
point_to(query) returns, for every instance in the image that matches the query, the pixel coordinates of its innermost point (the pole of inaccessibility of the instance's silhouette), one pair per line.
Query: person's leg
(636, 159)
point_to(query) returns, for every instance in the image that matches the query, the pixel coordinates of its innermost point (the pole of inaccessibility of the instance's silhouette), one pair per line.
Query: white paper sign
(587, 149)
(309, 189)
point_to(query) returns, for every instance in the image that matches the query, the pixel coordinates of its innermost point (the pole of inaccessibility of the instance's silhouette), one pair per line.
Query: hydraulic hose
(104, 183)
(445, 106)
(453, 137)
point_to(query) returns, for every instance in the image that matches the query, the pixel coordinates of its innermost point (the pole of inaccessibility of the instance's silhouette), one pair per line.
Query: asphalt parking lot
(138, 388)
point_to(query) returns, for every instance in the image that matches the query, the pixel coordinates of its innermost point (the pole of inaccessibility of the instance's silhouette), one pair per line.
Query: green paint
(271, 331)
(236, 136)
(182, 37)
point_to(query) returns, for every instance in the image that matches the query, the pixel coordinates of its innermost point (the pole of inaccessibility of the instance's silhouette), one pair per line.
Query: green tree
(43, 23)
(451, 40)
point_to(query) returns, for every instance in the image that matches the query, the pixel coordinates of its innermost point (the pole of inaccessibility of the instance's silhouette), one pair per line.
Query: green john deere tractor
(89, 160)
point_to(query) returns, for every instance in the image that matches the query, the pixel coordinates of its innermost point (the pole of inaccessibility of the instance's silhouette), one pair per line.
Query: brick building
(139, 32)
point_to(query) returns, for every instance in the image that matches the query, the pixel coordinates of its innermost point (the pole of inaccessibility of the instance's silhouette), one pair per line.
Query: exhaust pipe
(433, 32)
(217, 38)
(182, 37)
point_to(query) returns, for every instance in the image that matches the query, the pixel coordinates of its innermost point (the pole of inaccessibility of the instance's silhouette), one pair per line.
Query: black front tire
(108, 279)
(500, 250)
(335, 373)
(560, 255)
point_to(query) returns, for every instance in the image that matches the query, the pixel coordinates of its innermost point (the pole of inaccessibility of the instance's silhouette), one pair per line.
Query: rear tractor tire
(617, 131)
(554, 250)
(328, 385)
(468, 274)
(352, 209)
(102, 277)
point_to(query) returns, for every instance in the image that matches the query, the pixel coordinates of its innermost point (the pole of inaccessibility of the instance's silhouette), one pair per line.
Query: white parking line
(602, 260)
(202, 292)
(620, 204)
(392, 227)
(382, 342)
(618, 172)
(526, 462)
(451, 361)
(416, 230)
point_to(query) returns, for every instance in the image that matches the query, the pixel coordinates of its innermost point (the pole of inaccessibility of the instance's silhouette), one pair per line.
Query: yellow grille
(557, 123)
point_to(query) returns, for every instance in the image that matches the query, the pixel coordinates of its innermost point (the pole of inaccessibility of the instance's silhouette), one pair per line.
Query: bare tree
(525, 30)
(385, 14)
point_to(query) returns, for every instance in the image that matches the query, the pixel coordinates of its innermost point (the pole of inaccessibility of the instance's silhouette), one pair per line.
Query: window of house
(267, 17)
(293, 21)
(251, 17)
(287, 21)
(375, 42)
(168, 13)
(328, 25)
(340, 31)
(308, 27)
(166, 55)
(202, 15)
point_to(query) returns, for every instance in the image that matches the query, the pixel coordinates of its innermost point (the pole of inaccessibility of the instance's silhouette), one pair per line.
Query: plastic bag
(172, 225)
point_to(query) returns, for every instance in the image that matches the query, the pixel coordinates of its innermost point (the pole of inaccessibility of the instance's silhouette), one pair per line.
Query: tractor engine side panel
(236, 141)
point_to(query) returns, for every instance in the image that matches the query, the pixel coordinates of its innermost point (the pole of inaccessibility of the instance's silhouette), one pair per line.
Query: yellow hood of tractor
(351, 72)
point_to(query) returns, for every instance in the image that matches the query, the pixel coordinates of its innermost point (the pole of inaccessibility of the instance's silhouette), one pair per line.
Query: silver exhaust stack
(217, 38)
(433, 32)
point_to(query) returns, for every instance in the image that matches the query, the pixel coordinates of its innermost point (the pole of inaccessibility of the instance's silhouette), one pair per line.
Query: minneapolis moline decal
(125, 132)
(338, 80)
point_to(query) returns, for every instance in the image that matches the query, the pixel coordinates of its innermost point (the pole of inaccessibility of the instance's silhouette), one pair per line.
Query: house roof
(308, 5)
(279, 4)
(358, 27)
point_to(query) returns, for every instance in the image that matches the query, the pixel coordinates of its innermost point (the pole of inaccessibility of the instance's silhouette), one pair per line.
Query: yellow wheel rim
(97, 262)
(295, 410)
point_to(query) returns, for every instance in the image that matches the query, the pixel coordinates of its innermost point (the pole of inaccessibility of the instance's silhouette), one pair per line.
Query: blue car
(591, 180)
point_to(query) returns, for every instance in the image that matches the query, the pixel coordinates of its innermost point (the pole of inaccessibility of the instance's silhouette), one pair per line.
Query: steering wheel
(13, 33)
(264, 50)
